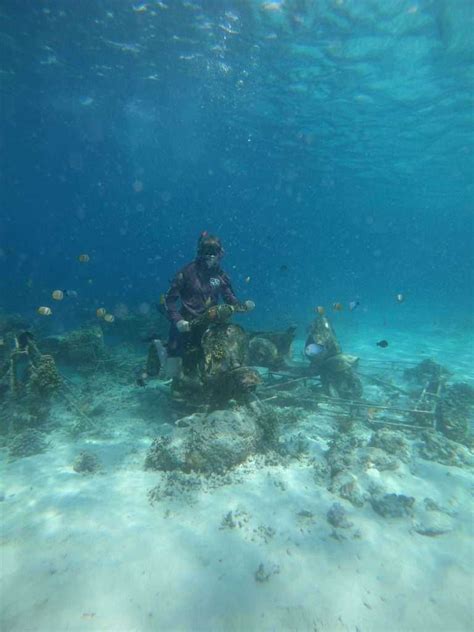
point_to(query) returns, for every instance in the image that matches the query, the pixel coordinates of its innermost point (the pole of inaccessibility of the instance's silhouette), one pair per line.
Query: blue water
(329, 144)
(332, 138)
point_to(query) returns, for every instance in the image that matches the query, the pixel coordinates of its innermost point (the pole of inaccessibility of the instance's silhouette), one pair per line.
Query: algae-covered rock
(340, 455)
(376, 458)
(86, 463)
(393, 505)
(436, 447)
(262, 352)
(391, 442)
(27, 443)
(263, 574)
(177, 485)
(213, 443)
(84, 346)
(166, 454)
(337, 516)
(347, 486)
(433, 525)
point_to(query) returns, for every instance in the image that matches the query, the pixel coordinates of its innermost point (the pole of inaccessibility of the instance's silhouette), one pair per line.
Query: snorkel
(209, 250)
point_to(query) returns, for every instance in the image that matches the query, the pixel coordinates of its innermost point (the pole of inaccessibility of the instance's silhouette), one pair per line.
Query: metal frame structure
(396, 416)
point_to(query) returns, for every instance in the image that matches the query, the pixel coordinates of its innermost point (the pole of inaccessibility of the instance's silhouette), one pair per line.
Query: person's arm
(172, 298)
(231, 299)
(227, 291)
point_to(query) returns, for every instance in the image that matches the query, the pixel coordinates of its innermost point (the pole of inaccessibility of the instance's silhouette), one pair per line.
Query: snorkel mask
(210, 250)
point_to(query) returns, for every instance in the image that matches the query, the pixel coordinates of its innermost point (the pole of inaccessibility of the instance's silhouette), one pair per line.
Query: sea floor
(250, 551)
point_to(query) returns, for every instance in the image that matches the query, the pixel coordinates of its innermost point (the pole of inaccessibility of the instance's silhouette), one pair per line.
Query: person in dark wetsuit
(194, 289)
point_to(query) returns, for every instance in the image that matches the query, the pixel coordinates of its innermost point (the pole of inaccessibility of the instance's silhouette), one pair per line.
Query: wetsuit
(197, 288)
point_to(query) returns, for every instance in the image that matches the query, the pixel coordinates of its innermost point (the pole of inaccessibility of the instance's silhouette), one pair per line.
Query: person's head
(209, 250)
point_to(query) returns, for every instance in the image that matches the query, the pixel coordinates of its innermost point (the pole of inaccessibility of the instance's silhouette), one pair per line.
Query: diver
(198, 286)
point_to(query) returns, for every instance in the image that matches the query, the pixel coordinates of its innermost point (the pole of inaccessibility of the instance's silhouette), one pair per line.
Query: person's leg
(174, 363)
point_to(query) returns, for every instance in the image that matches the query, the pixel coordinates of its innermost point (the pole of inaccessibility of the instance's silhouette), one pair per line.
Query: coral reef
(26, 443)
(83, 346)
(86, 463)
(350, 457)
(45, 379)
(455, 412)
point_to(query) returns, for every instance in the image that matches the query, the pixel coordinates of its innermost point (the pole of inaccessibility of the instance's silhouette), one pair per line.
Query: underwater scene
(236, 315)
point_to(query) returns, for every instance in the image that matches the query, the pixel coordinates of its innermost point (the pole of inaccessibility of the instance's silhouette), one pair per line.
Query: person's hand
(249, 305)
(183, 326)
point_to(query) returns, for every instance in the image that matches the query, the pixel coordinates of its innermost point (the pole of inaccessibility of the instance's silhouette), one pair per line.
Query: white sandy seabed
(89, 552)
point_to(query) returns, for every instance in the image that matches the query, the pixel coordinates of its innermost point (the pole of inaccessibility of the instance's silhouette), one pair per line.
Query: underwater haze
(289, 485)
(334, 138)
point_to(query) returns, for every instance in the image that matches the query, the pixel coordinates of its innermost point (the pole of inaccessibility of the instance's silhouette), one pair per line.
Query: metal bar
(392, 423)
(377, 380)
(280, 384)
(339, 400)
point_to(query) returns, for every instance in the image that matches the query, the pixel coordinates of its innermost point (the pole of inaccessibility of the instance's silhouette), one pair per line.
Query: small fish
(353, 305)
(109, 318)
(371, 412)
(382, 343)
(84, 258)
(320, 310)
(44, 311)
(337, 307)
(400, 298)
(70, 293)
(313, 350)
(58, 295)
(162, 299)
(101, 312)
(247, 279)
